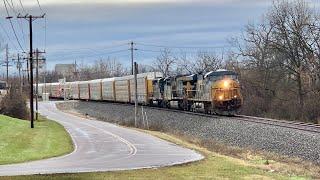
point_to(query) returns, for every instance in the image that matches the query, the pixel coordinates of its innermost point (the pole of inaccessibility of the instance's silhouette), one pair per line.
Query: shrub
(14, 104)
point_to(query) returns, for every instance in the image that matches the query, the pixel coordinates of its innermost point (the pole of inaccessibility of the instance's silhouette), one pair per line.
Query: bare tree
(261, 65)
(202, 63)
(165, 62)
(143, 68)
(280, 58)
(291, 36)
(184, 64)
(206, 62)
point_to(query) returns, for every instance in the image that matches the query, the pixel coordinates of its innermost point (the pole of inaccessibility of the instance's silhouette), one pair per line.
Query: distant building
(65, 69)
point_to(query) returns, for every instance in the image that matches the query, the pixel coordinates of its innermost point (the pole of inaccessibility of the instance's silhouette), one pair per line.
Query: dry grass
(264, 160)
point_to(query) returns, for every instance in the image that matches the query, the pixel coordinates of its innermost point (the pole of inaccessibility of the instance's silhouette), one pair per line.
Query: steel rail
(307, 127)
(272, 122)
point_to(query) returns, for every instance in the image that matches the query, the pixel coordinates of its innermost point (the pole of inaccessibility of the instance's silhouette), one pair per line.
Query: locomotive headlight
(226, 84)
(220, 97)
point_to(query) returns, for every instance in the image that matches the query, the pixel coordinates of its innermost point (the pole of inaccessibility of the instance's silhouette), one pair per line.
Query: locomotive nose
(227, 94)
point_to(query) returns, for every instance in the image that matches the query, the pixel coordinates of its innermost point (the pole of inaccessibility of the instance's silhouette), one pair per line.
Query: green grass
(20, 143)
(214, 166)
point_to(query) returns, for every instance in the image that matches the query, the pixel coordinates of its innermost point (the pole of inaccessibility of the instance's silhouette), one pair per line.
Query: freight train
(216, 92)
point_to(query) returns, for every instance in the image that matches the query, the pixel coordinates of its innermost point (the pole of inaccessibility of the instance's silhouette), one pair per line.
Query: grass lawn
(20, 143)
(214, 166)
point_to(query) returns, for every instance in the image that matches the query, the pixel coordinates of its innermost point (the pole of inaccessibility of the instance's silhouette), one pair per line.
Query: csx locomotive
(217, 92)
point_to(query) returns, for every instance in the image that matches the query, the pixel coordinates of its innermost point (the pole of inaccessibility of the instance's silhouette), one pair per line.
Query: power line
(22, 31)
(24, 10)
(12, 3)
(12, 7)
(39, 5)
(83, 53)
(160, 51)
(90, 49)
(183, 47)
(14, 31)
(94, 55)
(146, 50)
(8, 37)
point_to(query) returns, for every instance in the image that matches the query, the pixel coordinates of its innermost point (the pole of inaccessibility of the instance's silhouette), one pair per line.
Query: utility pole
(30, 19)
(7, 62)
(37, 81)
(23, 78)
(19, 66)
(44, 77)
(132, 49)
(135, 93)
(26, 71)
(31, 71)
(75, 73)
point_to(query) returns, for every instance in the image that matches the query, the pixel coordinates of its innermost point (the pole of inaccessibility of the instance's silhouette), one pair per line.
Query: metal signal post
(31, 18)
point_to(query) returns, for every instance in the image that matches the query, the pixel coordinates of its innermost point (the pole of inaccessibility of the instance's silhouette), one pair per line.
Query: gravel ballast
(226, 130)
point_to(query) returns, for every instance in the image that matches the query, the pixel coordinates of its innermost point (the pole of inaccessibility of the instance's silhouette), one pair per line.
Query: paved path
(101, 146)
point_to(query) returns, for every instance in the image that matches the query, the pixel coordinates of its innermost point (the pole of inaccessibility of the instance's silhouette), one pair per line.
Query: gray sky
(87, 30)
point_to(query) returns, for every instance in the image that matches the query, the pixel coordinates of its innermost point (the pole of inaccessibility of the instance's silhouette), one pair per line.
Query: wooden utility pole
(44, 77)
(28, 70)
(132, 49)
(75, 73)
(19, 67)
(7, 62)
(37, 81)
(31, 72)
(26, 79)
(135, 93)
(30, 19)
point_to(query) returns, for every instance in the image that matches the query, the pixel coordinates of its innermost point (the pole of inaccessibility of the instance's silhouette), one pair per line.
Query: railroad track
(273, 122)
(315, 128)
(308, 127)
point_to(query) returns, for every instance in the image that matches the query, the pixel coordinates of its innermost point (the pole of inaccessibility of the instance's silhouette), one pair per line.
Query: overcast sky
(87, 30)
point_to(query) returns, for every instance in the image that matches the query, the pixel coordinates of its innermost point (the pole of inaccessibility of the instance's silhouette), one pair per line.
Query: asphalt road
(101, 146)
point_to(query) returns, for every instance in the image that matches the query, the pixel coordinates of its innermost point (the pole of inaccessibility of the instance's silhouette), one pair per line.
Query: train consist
(216, 92)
